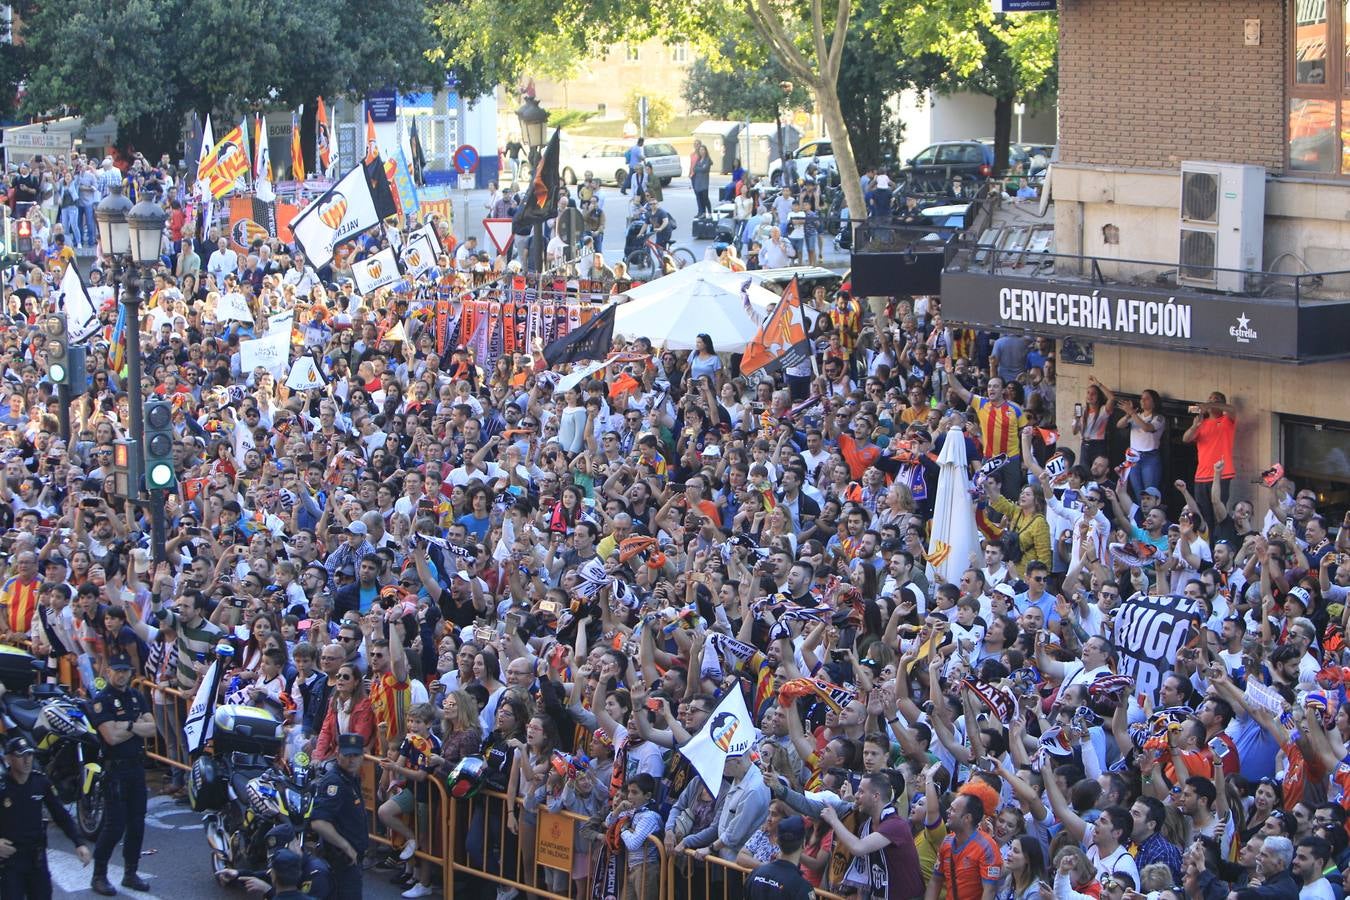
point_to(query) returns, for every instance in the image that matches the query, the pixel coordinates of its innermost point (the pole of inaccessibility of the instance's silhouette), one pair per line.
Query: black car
(933, 168)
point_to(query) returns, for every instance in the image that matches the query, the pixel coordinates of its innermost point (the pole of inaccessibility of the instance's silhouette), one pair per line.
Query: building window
(632, 53)
(679, 53)
(1316, 455)
(1319, 88)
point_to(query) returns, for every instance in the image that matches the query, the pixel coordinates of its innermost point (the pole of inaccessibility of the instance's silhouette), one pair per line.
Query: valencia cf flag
(541, 200)
(380, 192)
(781, 340)
(591, 341)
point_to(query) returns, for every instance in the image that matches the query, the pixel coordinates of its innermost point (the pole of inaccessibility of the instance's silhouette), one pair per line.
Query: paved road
(678, 200)
(175, 861)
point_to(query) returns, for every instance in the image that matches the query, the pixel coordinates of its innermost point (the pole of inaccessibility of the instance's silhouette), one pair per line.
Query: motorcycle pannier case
(246, 729)
(16, 669)
(206, 785)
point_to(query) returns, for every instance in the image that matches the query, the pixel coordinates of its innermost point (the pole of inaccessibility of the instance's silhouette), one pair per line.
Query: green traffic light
(161, 475)
(57, 373)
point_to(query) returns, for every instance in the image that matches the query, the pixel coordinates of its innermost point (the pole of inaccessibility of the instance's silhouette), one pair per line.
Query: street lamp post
(784, 162)
(133, 236)
(533, 122)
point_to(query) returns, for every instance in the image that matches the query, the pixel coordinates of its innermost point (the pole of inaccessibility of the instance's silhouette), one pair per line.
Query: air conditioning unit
(1223, 208)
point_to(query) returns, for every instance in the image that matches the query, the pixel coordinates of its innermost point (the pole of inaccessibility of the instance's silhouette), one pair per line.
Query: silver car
(607, 162)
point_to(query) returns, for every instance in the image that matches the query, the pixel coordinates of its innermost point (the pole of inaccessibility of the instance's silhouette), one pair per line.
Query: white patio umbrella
(954, 535)
(705, 298)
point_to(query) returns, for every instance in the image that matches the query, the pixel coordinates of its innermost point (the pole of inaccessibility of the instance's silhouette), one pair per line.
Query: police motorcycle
(245, 786)
(68, 747)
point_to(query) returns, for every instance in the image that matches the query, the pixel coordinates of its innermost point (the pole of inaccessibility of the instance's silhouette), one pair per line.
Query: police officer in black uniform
(23, 830)
(339, 817)
(782, 879)
(123, 720)
(286, 875)
(316, 877)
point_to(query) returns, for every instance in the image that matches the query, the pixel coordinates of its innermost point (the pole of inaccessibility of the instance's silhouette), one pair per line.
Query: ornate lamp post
(133, 236)
(533, 123)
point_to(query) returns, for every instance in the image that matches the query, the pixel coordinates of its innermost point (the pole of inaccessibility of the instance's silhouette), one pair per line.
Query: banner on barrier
(553, 840)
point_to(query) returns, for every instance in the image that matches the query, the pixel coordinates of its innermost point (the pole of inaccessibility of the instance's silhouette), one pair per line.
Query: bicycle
(651, 260)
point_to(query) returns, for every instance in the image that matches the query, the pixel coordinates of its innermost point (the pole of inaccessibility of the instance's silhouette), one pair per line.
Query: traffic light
(159, 470)
(23, 236)
(76, 358)
(58, 348)
(126, 469)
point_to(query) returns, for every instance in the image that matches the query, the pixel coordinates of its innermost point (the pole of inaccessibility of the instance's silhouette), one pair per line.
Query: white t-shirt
(1119, 862)
(1319, 890)
(1147, 441)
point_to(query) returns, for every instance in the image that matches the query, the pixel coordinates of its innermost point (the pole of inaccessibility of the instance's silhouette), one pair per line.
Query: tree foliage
(147, 63)
(740, 81)
(1008, 57)
(660, 110)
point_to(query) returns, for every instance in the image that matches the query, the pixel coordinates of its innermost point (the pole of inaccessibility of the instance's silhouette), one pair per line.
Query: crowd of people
(435, 556)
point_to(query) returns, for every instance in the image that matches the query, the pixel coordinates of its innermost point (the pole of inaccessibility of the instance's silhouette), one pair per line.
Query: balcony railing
(965, 255)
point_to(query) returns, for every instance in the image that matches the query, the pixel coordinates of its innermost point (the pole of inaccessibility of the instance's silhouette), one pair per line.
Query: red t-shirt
(1213, 442)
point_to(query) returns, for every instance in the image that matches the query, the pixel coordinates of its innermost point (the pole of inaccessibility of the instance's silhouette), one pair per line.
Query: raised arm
(1073, 823)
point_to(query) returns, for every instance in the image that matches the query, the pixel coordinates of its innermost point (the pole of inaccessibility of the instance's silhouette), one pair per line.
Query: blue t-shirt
(475, 526)
(368, 596)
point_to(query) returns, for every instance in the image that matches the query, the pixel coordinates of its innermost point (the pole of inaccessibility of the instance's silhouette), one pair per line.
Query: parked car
(933, 167)
(1036, 156)
(606, 161)
(819, 152)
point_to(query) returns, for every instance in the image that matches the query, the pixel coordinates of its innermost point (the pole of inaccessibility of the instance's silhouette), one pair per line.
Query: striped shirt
(19, 599)
(1001, 425)
(192, 641)
(389, 701)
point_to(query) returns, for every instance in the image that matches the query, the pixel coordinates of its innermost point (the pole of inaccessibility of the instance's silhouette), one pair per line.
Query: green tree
(148, 63)
(501, 41)
(1008, 57)
(659, 110)
(740, 81)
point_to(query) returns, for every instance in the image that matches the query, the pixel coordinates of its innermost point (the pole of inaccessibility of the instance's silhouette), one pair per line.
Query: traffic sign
(570, 227)
(499, 232)
(465, 158)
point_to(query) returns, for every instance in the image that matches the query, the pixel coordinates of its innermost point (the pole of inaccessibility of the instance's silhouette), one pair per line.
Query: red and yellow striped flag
(226, 163)
(297, 158)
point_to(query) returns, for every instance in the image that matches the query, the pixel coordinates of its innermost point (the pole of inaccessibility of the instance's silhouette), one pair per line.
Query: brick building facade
(1143, 86)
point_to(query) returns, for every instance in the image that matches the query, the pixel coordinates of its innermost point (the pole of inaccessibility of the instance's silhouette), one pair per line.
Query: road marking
(71, 878)
(161, 808)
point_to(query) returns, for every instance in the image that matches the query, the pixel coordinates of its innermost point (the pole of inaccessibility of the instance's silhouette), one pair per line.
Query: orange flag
(781, 340)
(372, 146)
(322, 138)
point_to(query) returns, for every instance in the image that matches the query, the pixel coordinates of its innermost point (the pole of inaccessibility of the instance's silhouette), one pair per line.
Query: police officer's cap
(18, 746)
(287, 867)
(280, 836)
(120, 664)
(351, 744)
(793, 829)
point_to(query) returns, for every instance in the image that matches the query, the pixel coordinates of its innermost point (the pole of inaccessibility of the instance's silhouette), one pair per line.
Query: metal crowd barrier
(511, 859)
(454, 835)
(712, 878)
(431, 831)
(169, 706)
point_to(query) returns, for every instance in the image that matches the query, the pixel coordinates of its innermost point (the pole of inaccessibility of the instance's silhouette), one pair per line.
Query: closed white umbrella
(954, 535)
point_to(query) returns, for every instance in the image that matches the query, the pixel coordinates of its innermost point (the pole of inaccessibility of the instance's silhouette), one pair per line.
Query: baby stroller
(634, 238)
